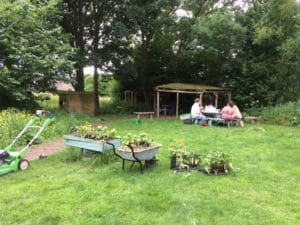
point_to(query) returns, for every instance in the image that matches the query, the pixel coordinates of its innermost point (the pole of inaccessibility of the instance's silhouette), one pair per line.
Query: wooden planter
(90, 144)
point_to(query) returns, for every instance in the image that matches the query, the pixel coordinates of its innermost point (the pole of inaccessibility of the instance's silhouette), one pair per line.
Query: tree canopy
(34, 53)
(253, 50)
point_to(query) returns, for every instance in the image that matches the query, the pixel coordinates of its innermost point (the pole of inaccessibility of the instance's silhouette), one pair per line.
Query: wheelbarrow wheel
(23, 164)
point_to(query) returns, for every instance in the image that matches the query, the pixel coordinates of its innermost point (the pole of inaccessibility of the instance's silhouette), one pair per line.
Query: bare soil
(45, 149)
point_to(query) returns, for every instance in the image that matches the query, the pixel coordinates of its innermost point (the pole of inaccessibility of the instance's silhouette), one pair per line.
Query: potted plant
(180, 159)
(216, 162)
(192, 160)
(177, 150)
(88, 137)
(138, 147)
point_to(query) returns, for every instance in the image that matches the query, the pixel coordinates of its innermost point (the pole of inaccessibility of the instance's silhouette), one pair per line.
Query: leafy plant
(137, 140)
(183, 158)
(86, 130)
(216, 162)
(177, 151)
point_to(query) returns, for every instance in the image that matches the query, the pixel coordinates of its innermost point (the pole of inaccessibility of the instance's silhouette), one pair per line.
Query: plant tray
(90, 144)
(147, 153)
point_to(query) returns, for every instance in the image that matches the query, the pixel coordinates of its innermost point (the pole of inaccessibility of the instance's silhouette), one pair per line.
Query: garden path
(45, 149)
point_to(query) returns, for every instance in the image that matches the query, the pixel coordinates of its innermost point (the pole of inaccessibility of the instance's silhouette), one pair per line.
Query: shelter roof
(184, 87)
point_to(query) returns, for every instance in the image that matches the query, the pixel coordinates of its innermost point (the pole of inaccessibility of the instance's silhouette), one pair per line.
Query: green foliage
(177, 145)
(145, 23)
(213, 163)
(215, 62)
(114, 89)
(137, 140)
(87, 130)
(33, 53)
(216, 162)
(12, 122)
(285, 114)
(104, 84)
(115, 106)
(269, 70)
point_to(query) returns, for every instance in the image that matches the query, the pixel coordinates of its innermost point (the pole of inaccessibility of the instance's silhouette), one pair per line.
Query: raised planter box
(147, 153)
(90, 144)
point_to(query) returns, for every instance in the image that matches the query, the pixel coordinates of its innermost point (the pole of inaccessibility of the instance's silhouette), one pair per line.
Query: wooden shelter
(182, 88)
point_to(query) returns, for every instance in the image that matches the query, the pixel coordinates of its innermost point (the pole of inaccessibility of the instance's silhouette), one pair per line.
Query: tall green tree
(167, 48)
(100, 24)
(33, 51)
(269, 56)
(75, 13)
(144, 21)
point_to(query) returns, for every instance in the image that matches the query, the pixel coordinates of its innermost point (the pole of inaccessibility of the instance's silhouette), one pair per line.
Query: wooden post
(216, 99)
(201, 98)
(157, 104)
(177, 103)
(229, 97)
(154, 102)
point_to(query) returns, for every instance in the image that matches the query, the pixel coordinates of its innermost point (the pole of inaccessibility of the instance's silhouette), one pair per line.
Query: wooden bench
(233, 122)
(252, 119)
(149, 114)
(229, 123)
(216, 120)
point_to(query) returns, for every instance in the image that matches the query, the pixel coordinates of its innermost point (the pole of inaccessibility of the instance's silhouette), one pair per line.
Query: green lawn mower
(11, 160)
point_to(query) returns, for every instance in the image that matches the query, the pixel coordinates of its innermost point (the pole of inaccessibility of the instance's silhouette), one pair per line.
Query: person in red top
(227, 113)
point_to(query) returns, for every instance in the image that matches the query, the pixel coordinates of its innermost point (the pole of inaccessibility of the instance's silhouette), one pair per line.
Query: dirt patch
(45, 149)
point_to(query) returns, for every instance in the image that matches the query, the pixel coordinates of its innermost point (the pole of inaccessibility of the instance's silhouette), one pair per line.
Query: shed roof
(62, 86)
(190, 88)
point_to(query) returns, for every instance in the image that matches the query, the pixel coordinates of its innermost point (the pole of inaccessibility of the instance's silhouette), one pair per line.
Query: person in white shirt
(196, 112)
(210, 108)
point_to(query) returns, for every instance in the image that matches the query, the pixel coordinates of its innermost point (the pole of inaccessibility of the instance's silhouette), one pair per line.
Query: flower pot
(216, 169)
(173, 162)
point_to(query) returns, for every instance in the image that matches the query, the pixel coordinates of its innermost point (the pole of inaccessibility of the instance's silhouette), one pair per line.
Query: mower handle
(41, 112)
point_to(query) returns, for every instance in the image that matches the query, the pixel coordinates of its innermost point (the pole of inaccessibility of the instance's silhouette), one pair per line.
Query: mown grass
(66, 190)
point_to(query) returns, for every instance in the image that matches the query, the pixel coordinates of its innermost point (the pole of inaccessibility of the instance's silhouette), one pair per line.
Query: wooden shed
(183, 88)
(82, 102)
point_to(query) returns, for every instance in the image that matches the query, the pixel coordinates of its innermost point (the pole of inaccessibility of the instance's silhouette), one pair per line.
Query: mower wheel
(23, 164)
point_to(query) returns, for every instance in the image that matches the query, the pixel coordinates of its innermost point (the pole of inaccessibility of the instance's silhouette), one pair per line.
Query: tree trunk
(96, 91)
(79, 86)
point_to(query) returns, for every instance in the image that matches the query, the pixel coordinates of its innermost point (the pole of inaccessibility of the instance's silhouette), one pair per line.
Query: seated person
(196, 112)
(238, 114)
(227, 113)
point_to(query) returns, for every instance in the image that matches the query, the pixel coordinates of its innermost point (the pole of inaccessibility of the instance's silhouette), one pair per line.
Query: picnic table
(211, 114)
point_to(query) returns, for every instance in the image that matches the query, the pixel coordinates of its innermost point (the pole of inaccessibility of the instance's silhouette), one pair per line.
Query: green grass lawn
(65, 190)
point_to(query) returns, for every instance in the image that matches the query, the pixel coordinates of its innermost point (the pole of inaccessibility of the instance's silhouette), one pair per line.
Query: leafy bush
(113, 106)
(103, 84)
(286, 114)
(12, 122)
